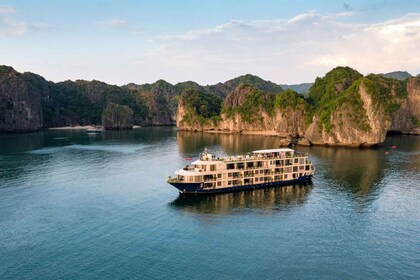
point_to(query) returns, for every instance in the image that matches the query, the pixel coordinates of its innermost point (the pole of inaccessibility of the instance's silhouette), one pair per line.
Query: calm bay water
(78, 206)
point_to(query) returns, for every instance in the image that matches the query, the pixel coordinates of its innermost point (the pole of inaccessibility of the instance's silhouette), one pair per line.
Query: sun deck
(254, 155)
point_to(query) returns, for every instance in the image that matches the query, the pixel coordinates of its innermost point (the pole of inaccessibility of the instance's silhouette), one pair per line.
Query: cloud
(287, 50)
(6, 10)
(112, 23)
(11, 26)
(116, 23)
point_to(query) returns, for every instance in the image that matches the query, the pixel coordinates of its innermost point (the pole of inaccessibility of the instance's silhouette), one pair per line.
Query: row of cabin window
(262, 164)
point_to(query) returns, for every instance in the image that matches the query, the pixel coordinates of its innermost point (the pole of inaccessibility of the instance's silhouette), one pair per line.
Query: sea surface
(79, 206)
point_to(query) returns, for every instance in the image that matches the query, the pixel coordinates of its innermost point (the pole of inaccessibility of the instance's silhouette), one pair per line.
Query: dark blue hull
(195, 188)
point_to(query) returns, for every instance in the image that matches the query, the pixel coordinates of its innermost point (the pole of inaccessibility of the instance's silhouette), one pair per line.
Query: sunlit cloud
(289, 50)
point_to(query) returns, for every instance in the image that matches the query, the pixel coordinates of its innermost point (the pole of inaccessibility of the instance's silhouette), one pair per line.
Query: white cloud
(287, 50)
(119, 23)
(112, 23)
(11, 26)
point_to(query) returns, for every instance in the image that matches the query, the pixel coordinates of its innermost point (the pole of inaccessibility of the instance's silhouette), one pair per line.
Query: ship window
(212, 167)
(285, 176)
(219, 184)
(219, 175)
(307, 167)
(295, 168)
(230, 166)
(301, 167)
(301, 160)
(296, 160)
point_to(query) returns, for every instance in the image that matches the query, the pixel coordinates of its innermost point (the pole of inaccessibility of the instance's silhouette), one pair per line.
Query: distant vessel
(259, 169)
(94, 129)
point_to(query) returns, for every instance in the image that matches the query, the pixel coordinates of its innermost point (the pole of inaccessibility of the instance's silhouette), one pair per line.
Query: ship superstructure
(259, 169)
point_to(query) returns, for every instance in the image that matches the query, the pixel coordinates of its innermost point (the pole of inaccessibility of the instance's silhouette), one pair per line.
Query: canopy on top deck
(269, 151)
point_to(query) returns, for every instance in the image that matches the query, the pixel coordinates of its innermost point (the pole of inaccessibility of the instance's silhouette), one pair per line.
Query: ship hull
(195, 188)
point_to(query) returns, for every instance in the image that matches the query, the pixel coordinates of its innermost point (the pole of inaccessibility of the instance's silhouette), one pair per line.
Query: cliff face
(363, 111)
(290, 122)
(198, 111)
(160, 99)
(21, 98)
(366, 130)
(413, 98)
(406, 118)
(247, 109)
(244, 110)
(117, 116)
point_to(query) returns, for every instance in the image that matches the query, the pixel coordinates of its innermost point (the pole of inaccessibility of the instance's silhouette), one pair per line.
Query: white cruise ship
(259, 169)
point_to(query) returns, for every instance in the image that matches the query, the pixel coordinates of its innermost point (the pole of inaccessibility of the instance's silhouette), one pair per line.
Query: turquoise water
(78, 206)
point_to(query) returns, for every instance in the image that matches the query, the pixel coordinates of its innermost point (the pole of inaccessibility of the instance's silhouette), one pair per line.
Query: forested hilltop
(342, 108)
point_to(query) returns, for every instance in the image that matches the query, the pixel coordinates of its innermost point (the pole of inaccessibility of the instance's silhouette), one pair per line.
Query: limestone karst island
(342, 108)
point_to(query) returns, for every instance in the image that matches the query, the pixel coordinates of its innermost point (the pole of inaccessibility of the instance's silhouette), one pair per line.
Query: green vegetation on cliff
(200, 108)
(290, 99)
(329, 87)
(386, 92)
(337, 88)
(249, 108)
(83, 102)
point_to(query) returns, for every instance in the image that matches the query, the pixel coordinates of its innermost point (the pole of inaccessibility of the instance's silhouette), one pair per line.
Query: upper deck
(281, 153)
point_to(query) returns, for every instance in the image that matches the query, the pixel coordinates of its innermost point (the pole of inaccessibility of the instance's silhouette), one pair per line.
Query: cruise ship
(258, 169)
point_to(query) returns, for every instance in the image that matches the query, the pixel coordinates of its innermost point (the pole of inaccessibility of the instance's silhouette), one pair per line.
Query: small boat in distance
(259, 169)
(94, 129)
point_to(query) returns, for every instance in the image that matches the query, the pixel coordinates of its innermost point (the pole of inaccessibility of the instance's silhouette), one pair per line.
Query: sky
(207, 41)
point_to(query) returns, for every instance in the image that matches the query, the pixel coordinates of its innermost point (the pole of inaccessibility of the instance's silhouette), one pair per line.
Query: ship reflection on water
(265, 201)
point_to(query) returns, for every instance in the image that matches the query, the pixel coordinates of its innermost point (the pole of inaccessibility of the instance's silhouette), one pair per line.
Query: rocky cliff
(363, 111)
(407, 118)
(344, 108)
(117, 116)
(160, 99)
(21, 99)
(248, 109)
